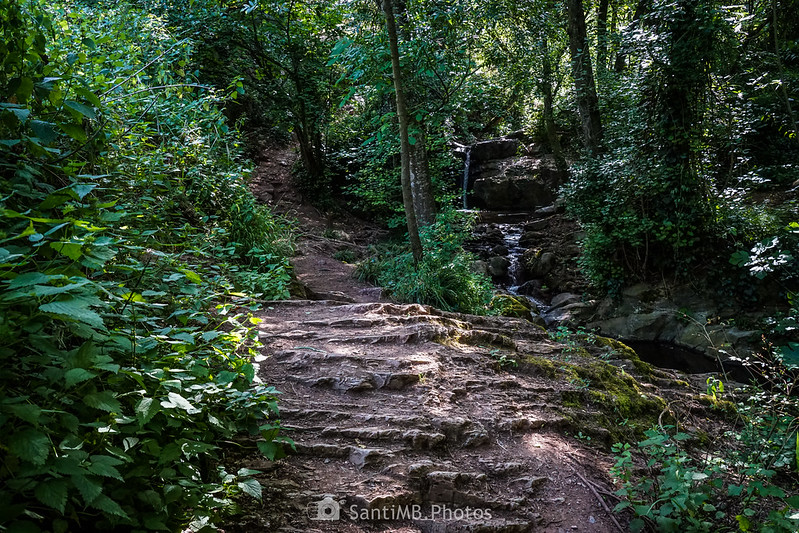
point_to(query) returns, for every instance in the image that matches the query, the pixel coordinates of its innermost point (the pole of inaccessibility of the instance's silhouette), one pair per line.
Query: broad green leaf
(75, 131)
(26, 411)
(192, 276)
(88, 489)
(44, 131)
(251, 487)
(104, 465)
(69, 249)
(22, 113)
(73, 310)
(83, 109)
(25, 89)
(89, 96)
(225, 377)
(77, 375)
(52, 493)
(103, 401)
(107, 505)
(30, 445)
(82, 189)
(146, 409)
(271, 450)
(176, 400)
(30, 278)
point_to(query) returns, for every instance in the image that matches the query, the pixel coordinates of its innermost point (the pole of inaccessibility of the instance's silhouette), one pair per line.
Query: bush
(126, 344)
(443, 278)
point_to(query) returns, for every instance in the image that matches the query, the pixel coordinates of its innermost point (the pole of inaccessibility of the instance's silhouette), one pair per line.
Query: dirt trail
(396, 406)
(410, 419)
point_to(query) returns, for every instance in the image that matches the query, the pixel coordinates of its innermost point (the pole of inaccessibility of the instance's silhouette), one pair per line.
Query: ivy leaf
(251, 487)
(52, 493)
(30, 445)
(77, 375)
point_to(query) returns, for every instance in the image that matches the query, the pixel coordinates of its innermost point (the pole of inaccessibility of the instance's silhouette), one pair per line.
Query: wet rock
(500, 249)
(531, 288)
(511, 192)
(480, 267)
(537, 263)
(498, 267)
(563, 299)
(530, 238)
(494, 149)
(538, 225)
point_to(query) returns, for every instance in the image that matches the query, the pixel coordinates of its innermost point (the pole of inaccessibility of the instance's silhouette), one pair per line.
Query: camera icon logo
(326, 509)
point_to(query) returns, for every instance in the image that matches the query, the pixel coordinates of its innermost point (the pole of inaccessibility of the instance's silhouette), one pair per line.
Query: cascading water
(466, 172)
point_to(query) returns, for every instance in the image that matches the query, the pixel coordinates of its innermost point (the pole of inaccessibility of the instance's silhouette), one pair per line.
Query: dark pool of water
(686, 360)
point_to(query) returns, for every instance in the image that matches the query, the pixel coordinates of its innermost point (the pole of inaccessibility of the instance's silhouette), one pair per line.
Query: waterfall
(466, 177)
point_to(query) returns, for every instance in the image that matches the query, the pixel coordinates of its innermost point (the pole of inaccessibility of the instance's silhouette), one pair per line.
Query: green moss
(513, 306)
(538, 366)
(625, 352)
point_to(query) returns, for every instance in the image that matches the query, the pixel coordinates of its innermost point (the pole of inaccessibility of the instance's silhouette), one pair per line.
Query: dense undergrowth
(130, 250)
(443, 278)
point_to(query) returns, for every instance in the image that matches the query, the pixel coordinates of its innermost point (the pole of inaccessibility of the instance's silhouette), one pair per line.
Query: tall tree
(583, 73)
(405, 145)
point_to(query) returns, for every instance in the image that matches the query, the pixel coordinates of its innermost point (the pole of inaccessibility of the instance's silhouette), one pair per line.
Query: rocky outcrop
(520, 184)
(398, 407)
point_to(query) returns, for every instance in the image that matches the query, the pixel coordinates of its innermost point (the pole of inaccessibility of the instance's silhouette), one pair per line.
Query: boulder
(564, 299)
(498, 266)
(511, 192)
(538, 264)
(494, 149)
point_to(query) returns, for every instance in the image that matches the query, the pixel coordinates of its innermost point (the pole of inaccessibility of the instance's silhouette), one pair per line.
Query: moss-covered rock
(513, 306)
(622, 351)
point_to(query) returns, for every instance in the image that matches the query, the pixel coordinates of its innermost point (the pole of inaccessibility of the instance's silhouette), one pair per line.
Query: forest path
(321, 236)
(408, 418)
(406, 409)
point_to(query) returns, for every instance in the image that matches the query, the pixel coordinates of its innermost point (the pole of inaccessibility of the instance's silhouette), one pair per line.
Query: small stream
(659, 354)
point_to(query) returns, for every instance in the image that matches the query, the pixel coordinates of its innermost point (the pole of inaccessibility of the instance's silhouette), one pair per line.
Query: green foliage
(126, 374)
(745, 485)
(443, 278)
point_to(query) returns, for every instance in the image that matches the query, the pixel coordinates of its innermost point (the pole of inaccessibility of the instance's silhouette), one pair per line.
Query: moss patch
(513, 306)
(625, 352)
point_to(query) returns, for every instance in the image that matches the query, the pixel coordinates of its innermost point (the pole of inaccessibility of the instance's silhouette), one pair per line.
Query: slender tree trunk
(582, 71)
(601, 37)
(405, 145)
(549, 115)
(421, 183)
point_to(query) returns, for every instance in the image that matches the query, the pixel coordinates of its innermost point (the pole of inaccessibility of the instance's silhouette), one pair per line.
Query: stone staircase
(406, 418)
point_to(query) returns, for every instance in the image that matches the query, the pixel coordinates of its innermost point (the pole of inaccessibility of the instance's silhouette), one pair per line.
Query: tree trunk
(405, 145)
(582, 71)
(601, 37)
(549, 115)
(421, 183)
